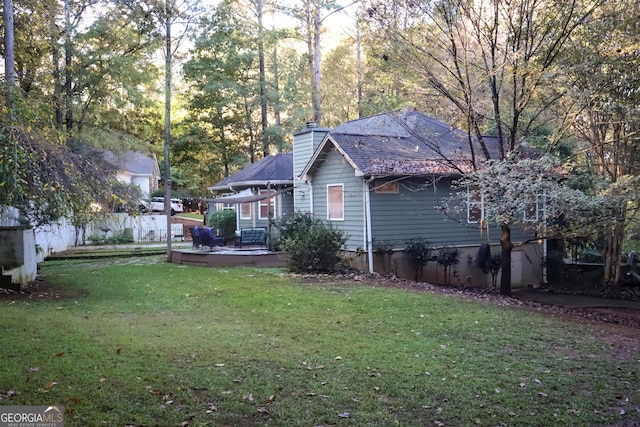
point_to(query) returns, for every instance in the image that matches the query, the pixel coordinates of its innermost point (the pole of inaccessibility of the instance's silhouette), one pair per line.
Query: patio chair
(195, 236)
(209, 238)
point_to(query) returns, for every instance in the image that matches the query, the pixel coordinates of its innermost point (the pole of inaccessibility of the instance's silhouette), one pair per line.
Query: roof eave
(248, 184)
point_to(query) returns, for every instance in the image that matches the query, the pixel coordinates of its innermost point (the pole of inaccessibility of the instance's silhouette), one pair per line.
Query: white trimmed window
(475, 206)
(266, 204)
(335, 202)
(531, 209)
(245, 210)
(381, 186)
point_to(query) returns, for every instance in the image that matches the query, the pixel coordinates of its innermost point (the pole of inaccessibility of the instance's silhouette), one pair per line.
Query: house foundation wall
(526, 267)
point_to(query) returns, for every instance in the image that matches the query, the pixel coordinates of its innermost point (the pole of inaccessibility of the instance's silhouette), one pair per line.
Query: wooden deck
(228, 257)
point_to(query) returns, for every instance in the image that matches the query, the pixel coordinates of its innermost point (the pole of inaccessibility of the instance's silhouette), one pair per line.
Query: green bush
(288, 227)
(225, 221)
(418, 253)
(116, 239)
(447, 258)
(311, 244)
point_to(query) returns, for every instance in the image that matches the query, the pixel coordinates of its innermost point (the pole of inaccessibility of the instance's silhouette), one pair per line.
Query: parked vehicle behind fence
(157, 205)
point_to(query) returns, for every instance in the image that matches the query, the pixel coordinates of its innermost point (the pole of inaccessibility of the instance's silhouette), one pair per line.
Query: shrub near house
(312, 245)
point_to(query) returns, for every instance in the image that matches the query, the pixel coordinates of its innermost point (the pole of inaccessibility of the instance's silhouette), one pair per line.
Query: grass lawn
(139, 342)
(190, 215)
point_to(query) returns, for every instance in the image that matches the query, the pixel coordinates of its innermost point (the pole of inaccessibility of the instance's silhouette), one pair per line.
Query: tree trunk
(263, 84)
(507, 247)
(612, 253)
(317, 77)
(9, 52)
(359, 69)
(68, 59)
(252, 140)
(57, 84)
(167, 130)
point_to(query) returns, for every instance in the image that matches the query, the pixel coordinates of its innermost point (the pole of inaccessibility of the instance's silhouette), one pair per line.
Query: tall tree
(491, 62)
(222, 88)
(602, 62)
(310, 15)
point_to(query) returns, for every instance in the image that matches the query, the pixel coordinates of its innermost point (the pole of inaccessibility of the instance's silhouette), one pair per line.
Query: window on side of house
(266, 206)
(335, 202)
(245, 210)
(531, 209)
(381, 186)
(475, 206)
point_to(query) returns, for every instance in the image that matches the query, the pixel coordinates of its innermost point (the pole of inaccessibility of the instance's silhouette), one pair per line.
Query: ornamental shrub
(447, 258)
(418, 253)
(311, 244)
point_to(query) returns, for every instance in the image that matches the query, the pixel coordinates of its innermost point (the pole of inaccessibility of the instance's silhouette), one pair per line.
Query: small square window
(475, 206)
(386, 186)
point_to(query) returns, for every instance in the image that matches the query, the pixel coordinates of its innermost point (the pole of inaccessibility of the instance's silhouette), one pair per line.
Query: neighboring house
(381, 178)
(135, 168)
(258, 192)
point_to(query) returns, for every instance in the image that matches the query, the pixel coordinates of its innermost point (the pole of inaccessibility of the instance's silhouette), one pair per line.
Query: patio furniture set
(209, 237)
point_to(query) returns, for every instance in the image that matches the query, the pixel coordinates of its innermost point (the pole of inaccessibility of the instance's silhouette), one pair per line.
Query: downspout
(367, 212)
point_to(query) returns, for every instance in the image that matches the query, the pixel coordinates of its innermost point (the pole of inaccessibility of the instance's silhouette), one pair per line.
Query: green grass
(133, 342)
(190, 215)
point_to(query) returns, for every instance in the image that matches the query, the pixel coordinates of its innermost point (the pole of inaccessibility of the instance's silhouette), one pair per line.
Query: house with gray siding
(381, 179)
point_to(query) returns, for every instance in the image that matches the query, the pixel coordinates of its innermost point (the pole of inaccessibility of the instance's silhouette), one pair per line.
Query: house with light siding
(133, 167)
(381, 179)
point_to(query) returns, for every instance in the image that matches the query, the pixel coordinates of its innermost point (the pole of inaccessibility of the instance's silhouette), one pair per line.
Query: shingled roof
(276, 169)
(403, 143)
(133, 162)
